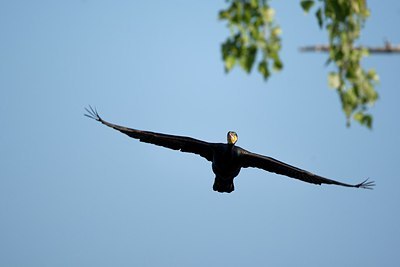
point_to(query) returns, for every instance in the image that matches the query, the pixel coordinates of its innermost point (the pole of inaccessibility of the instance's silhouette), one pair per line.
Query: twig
(387, 49)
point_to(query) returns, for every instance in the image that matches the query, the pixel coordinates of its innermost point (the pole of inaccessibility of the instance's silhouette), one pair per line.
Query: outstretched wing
(182, 143)
(249, 159)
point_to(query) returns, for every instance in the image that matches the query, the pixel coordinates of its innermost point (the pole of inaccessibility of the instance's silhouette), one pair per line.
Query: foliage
(254, 30)
(343, 20)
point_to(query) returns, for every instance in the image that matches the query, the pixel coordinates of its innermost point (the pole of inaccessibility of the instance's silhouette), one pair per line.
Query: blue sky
(76, 193)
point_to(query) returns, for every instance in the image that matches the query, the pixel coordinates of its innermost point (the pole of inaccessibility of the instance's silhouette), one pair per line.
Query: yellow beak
(232, 138)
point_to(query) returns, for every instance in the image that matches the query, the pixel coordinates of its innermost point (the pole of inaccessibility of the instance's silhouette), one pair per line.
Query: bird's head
(232, 137)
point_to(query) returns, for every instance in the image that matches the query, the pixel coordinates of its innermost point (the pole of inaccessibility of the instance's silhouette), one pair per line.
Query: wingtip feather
(366, 184)
(92, 113)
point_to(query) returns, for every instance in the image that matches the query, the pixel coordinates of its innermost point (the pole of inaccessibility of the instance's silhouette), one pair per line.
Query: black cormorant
(227, 159)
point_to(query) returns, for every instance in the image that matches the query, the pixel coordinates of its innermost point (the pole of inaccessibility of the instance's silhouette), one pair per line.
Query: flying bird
(227, 158)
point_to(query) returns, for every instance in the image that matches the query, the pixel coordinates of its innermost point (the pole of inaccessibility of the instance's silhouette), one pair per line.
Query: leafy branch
(256, 36)
(356, 86)
(253, 31)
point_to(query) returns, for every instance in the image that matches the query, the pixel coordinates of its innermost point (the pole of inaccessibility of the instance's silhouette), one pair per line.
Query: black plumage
(227, 159)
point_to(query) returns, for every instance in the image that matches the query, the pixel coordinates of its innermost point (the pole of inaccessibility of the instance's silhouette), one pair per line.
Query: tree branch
(386, 49)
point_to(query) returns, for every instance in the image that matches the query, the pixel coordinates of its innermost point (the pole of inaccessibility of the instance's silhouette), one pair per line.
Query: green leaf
(268, 13)
(248, 58)
(364, 119)
(263, 69)
(229, 63)
(318, 14)
(334, 80)
(278, 65)
(254, 3)
(276, 31)
(372, 75)
(306, 5)
(224, 14)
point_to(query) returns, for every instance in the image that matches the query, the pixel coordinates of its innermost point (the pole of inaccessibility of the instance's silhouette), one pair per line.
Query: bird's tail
(223, 185)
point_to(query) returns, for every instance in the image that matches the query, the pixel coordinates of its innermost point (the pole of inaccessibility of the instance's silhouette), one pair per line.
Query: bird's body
(227, 159)
(226, 166)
